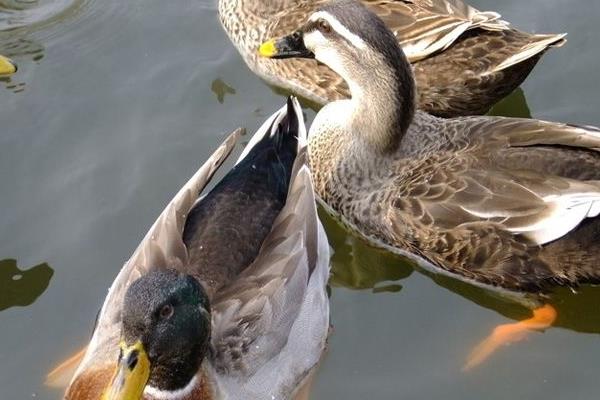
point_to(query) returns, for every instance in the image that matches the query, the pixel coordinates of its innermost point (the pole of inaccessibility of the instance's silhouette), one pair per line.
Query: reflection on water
(513, 105)
(26, 51)
(356, 265)
(15, 87)
(22, 287)
(23, 48)
(27, 13)
(220, 89)
(20, 20)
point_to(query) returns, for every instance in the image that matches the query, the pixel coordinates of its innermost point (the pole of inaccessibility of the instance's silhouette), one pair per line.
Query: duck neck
(178, 375)
(181, 393)
(382, 100)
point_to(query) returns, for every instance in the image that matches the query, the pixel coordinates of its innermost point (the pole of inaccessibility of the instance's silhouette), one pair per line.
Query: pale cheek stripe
(339, 28)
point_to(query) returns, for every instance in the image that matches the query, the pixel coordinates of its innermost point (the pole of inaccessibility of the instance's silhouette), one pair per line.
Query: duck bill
(131, 375)
(291, 46)
(7, 66)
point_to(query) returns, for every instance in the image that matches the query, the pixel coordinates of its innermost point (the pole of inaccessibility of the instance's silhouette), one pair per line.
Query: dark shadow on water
(221, 89)
(357, 265)
(513, 105)
(22, 287)
(306, 103)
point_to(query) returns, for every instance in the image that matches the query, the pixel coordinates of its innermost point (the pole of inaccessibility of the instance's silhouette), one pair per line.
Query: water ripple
(15, 14)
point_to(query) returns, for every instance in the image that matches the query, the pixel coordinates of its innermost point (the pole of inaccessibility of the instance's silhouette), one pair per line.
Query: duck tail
(287, 133)
(575, 259)
(537, 44)
(284, 130)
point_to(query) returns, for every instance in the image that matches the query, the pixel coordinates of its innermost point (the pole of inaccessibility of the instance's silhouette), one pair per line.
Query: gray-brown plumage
(264, 304)
(506, 202)
(464, 60)
(225, 230)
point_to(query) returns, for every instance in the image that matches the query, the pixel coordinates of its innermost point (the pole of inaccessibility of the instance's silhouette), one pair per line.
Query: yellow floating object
(7, 66)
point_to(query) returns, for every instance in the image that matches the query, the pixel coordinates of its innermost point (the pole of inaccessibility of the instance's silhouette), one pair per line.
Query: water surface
(117, 103)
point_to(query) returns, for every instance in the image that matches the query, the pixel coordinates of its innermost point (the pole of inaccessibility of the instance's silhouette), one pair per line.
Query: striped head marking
(345, 33)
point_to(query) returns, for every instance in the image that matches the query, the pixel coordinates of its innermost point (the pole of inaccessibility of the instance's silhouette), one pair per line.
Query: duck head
(356, 44)
(165, 334)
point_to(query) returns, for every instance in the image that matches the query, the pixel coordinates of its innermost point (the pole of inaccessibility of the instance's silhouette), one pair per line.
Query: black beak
(291, 46)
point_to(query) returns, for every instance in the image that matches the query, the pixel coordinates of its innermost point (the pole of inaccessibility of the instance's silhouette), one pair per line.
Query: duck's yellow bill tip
(267, 49)
(131, 374)
(7, 66)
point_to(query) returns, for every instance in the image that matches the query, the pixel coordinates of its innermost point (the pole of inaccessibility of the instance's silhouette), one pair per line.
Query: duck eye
(166, 311)
(324, 26)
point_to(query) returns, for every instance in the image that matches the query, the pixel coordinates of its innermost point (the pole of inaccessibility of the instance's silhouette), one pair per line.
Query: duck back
(225, 229)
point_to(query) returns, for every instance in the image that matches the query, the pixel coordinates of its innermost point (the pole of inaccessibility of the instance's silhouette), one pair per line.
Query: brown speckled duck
(464, 60)
(503, 202)
(225, 297)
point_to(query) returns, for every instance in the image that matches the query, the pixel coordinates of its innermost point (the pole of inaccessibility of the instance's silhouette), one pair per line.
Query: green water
(116, 104)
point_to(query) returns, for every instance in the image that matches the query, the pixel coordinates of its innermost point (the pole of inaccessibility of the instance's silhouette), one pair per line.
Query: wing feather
(477, 183)
(271, 324)
(424, 27)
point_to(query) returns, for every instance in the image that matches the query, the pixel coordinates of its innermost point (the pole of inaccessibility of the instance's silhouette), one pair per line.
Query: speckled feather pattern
(415, 198)
(455, 50)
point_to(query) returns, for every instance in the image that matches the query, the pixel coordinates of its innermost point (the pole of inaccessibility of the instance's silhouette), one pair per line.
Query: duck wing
(488, 210)
(271, 324)
(162, 245)
(424, 27)
(536, 178)
(225, 229)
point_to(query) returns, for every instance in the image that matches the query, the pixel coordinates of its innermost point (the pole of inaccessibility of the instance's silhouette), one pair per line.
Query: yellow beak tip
(267, 49)
(131, 374)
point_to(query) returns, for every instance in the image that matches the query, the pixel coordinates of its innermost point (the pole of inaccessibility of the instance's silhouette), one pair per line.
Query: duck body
(503, 202)
(461, 200)
(464, 60)
(254, 191)
(230, 322)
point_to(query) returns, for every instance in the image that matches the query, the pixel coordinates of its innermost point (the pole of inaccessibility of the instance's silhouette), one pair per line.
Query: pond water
(115, 105)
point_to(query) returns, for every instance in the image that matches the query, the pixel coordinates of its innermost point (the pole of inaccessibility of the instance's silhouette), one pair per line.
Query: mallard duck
(503, 202)
(225, 296)
(464, 60)
(7, 66)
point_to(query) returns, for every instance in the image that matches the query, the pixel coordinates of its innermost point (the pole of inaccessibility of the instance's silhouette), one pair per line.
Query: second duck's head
(355, 43)
(166, 328)
(340, 34)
